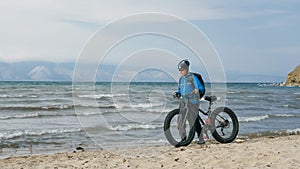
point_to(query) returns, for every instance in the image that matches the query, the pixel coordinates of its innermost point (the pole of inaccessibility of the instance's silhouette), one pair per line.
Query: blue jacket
(186, 87)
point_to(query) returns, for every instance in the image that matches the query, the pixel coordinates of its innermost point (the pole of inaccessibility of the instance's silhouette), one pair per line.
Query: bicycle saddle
(210, 98)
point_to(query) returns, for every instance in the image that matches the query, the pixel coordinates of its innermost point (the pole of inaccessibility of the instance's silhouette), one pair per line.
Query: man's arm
(198, 85)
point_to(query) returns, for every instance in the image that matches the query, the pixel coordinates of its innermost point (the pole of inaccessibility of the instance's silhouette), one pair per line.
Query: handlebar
(177, 95)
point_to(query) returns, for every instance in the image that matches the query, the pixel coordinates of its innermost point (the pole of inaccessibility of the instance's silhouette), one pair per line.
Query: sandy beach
(265, 152)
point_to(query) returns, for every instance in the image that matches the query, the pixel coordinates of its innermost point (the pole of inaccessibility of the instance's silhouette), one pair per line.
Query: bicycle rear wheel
(172, 133)
(225, 125)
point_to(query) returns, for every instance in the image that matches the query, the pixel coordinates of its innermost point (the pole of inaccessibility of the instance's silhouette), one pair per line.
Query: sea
(51, 117)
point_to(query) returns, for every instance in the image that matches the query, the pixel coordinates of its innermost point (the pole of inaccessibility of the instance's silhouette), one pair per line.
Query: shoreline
(30, 150)
(261, 152)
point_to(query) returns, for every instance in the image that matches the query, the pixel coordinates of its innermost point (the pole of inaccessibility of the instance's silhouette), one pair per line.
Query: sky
(257, 37)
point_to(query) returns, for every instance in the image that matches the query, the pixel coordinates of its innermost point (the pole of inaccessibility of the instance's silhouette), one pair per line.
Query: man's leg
(193, 118)
(198, 128)
(181, 120)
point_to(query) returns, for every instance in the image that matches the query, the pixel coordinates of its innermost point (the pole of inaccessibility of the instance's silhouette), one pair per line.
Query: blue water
(59, 116)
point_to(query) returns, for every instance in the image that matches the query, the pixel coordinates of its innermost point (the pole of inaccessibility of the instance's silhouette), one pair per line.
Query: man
(188, 89)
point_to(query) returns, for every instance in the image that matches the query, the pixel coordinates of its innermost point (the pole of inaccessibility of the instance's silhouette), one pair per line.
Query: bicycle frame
(208, 113)
(205, 127)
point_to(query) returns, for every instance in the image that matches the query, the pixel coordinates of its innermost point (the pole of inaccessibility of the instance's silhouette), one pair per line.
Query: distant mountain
(49, 71)
(38, 71)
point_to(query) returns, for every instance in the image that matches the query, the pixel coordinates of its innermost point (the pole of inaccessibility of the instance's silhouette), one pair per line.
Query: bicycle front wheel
(225, 125)
(172, 133)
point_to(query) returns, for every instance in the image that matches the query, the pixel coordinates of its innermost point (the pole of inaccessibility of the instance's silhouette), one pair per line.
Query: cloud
(57, 30)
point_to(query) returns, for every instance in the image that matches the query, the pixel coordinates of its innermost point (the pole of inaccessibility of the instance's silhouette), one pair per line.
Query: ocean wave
(254, 108)
(33, 108)
(17, 134)
(100, 96)
(233, 92)
(94, 96)
(252, 96)
(127, 127)
(162, 110)
(252, 119)
(140, 105)
(33, 115)
(283, 115)
(264, 117)
(270, 84)
(56, 114)
(55, 107)
(290, 106)
(146, 105)
(287, 132)
(20, 116)
(18, 96)
(293, 131)
(41, 115)
(90, 113)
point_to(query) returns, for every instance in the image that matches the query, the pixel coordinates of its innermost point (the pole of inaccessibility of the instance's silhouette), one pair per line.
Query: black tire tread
(168, 134)
(235, 125)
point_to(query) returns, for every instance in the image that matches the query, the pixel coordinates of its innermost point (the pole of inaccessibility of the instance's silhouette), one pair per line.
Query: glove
(177, 95)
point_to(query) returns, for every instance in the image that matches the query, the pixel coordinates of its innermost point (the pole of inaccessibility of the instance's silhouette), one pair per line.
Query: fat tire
(169, 135)
(235, 125)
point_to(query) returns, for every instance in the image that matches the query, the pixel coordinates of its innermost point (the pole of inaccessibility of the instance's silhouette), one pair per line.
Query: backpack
(199, 77)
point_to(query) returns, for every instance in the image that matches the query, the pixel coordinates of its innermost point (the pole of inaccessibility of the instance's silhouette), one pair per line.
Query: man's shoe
(201, 141)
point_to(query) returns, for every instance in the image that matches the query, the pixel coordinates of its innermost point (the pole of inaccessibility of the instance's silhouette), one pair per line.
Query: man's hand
(177, 95)
(196, 91)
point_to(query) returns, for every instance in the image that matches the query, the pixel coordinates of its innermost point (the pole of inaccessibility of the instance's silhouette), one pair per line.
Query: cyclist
(188, 89)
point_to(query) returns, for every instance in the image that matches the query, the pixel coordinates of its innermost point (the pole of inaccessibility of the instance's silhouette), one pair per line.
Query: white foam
(11, 135)
(19, 116)
(17, 96)
(254, 118)
(233, 92)
(56, 107)
(146, 105)
(37, 133)
(51, 131)
(128, 127)
(251, 96)
(4, 96)
(88, 113)
(284, 115)
(294, 131)
(159, 110)
(33, 96)
(140, 105)
(94, 96)
(289, 106)
(99, 96)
